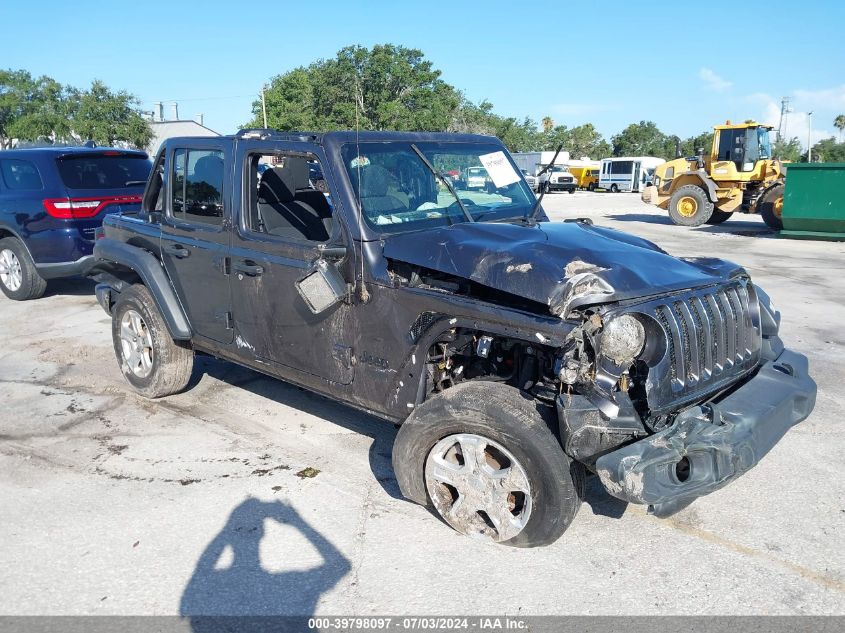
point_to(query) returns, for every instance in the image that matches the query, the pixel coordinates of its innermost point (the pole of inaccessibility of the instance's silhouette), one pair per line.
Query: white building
(167, 129)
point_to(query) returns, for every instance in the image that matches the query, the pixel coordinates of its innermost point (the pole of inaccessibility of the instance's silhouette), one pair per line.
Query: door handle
(177, 250)
(248, 267)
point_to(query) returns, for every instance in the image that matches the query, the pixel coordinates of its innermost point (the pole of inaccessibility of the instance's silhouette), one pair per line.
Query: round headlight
(622, 339)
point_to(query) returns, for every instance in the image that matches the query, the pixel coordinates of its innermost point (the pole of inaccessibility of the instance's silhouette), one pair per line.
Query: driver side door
(273, 323)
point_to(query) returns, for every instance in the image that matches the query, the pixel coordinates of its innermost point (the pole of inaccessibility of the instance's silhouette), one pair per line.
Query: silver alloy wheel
(478, 487)
(136, 343)
(11, 274)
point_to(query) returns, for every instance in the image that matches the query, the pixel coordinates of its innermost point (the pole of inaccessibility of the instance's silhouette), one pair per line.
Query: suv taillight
(74, 208)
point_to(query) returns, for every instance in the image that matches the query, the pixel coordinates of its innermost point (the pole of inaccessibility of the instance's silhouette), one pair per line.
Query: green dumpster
(814, 201)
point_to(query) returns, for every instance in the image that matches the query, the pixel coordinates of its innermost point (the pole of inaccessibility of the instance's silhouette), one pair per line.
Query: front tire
(614, 189)
(771, 206)
(483, 457)
(689, 206)
(151, 361)
(19, 279)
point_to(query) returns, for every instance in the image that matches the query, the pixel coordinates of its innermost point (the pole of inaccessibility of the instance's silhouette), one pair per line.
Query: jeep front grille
(712, 336)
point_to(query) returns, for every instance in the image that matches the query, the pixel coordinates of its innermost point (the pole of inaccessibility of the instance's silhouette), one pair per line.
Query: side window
(197, 186)
(726, 145)
(670, 173)
(287, 197)
(20, 175)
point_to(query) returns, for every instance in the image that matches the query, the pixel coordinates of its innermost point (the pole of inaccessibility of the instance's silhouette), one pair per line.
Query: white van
(627, 173)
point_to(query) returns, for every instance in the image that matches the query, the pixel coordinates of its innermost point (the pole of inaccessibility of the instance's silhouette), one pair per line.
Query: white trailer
(627, 173)
(533, 162)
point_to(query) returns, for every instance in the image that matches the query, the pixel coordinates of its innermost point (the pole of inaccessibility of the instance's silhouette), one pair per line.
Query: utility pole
(809, 137)
(784, 113)
(264, 107)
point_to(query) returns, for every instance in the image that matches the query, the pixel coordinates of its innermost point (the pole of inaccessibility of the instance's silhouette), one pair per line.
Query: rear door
(196, 231)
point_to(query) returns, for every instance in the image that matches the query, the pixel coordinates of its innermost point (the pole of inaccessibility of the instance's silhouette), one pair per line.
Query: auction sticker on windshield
(499, 169)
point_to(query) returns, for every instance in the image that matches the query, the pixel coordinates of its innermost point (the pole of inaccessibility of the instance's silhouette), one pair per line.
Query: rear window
(103, 172)
(20, 175)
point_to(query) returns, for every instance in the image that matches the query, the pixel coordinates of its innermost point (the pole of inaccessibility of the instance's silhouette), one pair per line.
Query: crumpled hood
(562, 264)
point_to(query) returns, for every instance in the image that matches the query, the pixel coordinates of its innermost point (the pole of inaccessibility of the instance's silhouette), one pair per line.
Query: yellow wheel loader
(738, 175)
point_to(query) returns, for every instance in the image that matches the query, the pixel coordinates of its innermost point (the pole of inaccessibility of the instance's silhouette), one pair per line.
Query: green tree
(387, 87)
(827, 151)
(641, 139)
(585, 140)
(105, 116)
(839, 124)
(691, 145)
(789, 151)
(581, 140)
(33, 108)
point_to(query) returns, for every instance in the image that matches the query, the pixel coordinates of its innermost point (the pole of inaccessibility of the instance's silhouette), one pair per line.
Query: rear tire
(719, 216)
(591, 186)
(771, 206)
(151, 361)
(19, 279)
(689, 206)
(510, 429)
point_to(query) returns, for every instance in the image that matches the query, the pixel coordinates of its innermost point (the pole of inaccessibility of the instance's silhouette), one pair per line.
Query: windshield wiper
(532, 216)
(444, 180)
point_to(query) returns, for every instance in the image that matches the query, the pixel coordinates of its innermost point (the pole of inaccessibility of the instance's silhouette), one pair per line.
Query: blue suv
(52, 200)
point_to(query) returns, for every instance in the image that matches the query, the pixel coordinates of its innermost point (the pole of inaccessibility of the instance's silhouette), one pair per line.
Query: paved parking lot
(247, 495)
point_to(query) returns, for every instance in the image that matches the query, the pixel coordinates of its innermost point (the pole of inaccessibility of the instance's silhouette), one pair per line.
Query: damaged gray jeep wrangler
(516, 353)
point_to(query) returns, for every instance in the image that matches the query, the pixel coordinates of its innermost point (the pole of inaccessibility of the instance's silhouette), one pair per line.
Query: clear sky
(610, 63)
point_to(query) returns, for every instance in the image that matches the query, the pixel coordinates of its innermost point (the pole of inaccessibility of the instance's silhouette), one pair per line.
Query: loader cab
(743, 145)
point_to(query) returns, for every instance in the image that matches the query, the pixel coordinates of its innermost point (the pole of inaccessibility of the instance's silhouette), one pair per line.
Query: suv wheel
(19, 280)
(689, 206)
(152, 362)
(483, 457)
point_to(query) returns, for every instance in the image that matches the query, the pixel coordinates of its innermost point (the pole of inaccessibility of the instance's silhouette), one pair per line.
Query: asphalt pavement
(245, 495)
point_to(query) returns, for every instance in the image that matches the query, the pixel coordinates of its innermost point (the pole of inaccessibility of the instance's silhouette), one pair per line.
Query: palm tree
(839, 124)
(548, 124)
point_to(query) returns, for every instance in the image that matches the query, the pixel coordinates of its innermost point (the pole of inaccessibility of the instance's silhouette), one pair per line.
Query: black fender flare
(408, 389)
(109, 252)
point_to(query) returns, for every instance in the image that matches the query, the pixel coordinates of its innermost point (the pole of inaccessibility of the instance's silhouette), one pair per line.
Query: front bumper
(710, 445)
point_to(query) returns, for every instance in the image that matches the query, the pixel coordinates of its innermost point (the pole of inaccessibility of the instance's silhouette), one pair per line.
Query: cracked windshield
(405, 187)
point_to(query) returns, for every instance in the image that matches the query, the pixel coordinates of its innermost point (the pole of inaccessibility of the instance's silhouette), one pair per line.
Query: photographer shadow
(231, 590)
